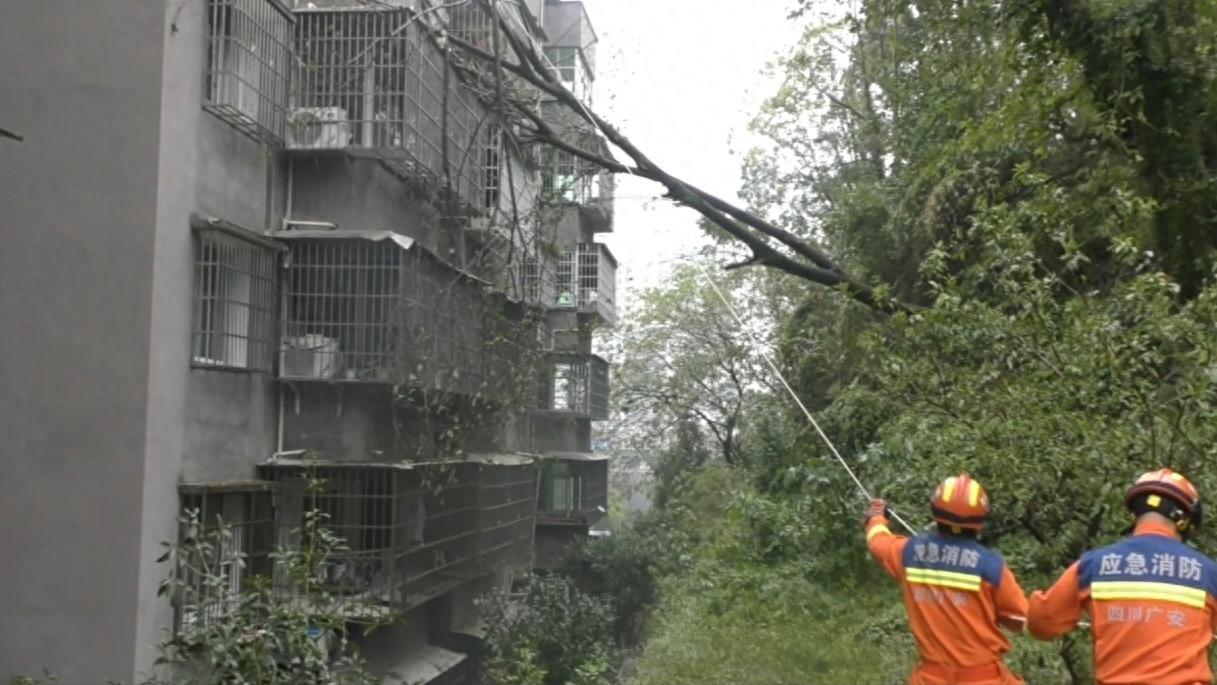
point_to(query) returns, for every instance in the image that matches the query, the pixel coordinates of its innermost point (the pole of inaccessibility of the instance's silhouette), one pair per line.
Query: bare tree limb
(813, 264)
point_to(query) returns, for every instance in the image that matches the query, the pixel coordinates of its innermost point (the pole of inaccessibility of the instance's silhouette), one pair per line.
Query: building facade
(250, 246)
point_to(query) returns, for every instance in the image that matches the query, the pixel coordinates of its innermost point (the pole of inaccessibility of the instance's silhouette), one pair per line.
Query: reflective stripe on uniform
(876, 530)
(1165, 592)
(929, 576)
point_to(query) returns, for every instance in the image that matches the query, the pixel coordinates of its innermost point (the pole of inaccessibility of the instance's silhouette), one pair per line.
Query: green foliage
(690, 361)
(555, 634)
(284, 629)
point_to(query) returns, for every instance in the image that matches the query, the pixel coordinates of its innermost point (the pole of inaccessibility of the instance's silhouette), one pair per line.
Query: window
(234, 297)
(560, 181)
(493, 167)
(248, 52)
(572, 71)
(227, 534)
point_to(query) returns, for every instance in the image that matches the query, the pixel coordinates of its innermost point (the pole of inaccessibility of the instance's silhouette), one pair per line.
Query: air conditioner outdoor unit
(309, 356)
(313, 128)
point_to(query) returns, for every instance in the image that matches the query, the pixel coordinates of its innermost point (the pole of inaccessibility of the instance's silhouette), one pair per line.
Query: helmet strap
(1147, 503)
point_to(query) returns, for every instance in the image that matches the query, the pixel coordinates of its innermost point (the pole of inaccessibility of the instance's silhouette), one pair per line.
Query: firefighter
(957, 591)
(1150, 596)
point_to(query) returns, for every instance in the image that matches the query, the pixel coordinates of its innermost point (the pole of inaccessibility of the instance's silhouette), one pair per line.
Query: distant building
(245, 241)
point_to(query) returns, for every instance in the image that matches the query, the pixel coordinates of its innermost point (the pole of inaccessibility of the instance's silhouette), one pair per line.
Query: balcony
(373, 306)
(587, 282)
(596, 212)
(410, 532)
(574, 489)
(371, 82)
(575, 385)
(248, 62)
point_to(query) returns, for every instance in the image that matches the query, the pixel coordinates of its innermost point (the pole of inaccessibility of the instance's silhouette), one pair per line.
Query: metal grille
(575, 384)
(539, 282)
(587, 281)
(507, 499)
(411, 532)
(364, 310)
(234, 321)
(470, 23)
(248, 62)
(572, 71)
(562, 178)
(492, 167)
(373, 81)
(574, 490)
(230, 538)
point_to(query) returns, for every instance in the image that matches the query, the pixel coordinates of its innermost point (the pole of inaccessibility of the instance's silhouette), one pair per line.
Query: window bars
(587, 281)
(372, 81)
(574, 384)
(234, 302)
(226, 537)
(248, 62)
(363, 309)
(573, 489)
(410, 532)
(507, 499)
(492, 167)
(572, 71)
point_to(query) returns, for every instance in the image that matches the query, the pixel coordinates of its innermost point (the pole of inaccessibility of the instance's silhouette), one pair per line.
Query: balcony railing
(587, 282)
(249, 54)
(574, 488)
(574, 384)
(372, 82)
(597, 211)
(410, 532)
(376, 307)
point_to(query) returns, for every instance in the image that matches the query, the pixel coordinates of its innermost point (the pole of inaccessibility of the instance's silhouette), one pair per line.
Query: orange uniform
(1152, 607)
(956, 591)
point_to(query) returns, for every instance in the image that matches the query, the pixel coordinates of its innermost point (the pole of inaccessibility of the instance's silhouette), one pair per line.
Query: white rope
(773, 367)
(782, 378)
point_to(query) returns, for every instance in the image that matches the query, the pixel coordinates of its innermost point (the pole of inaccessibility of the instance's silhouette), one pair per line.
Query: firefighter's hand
(877, 508)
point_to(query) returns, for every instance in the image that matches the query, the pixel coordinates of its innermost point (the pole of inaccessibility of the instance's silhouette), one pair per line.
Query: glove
(877, 508)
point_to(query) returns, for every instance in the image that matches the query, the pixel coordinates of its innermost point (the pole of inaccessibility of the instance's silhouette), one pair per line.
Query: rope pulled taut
(782, 379)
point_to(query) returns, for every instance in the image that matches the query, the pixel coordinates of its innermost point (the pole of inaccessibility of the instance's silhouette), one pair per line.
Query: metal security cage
(574, 384)
(248, 64)
(587, 281)
(374, 306)
(227, 534)
(372, 81)
(597, 211)
(235, 288)
(409, 532)
(507, 501)
(574, 488)
(539, 281)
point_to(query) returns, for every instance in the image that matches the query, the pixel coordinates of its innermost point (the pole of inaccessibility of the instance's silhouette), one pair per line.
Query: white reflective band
(876, 530)
(929, 576)
(1164, 592)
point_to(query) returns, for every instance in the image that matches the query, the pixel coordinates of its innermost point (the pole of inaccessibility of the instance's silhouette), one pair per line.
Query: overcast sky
(681, 79)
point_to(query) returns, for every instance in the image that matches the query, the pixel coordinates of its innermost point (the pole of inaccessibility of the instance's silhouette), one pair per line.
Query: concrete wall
(561, 434)
(79, 224)
(359, 194)
(232, 421)
(341, 421)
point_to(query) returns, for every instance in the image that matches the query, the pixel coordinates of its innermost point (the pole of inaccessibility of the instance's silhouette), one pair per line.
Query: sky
(681, 79)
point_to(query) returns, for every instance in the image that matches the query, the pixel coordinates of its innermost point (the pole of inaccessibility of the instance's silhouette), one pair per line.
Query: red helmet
(960, 502)
(1174, 487)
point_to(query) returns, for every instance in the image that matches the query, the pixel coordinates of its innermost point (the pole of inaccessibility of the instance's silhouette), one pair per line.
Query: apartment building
(250, 243)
